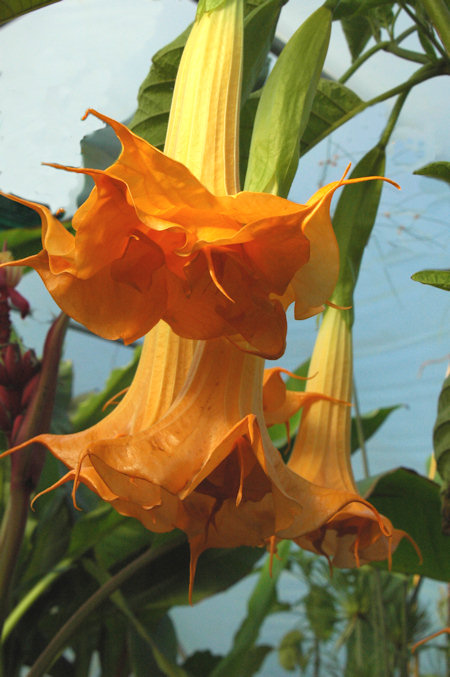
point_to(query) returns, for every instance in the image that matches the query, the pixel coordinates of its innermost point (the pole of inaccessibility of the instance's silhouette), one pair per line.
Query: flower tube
(357, 533)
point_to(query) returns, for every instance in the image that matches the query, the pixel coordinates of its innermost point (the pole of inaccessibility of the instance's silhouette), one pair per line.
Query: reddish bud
(12, 360)
(30, 365)
(29, 390)
(19, 302)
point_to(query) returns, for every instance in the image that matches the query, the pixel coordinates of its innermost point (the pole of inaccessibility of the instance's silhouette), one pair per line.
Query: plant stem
(392, 120)
(60, 640)
(441, 67)
(373, 50)
(12, 530)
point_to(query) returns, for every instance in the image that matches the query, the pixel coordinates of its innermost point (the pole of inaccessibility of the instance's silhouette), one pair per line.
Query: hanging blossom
(188, 446)
(355, 534)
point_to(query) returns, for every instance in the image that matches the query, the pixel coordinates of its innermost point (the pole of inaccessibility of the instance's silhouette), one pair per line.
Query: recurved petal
(156, 182)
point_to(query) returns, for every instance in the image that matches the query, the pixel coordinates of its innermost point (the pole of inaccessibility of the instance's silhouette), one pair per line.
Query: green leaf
(91, 528)
(370, 423)
(441, 432)
(260, 605)
(10, 9)
(91, 408)
(61, 424)
(208, 6)
(436, 170)
(441, 443)
(290, 653)
(259, 31)
(155, 93)
(357, 31)
(320, 611)
(285, 105)
(436, 278)
(412, 503)
(201, 663)
(353, 221)
(332, 103)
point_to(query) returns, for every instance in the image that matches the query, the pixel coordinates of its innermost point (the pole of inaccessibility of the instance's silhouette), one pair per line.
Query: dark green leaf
(91, 528)
(353, 221)
(412, 503)
(91, 409)
(441, 441)
(128, 537)
(259, 30)
(155, 93)
(436, 170)
(370, 423)
(357, 31)
(436, 278)
(10, 9)
(165, 583)
(441, 432)
(260, 605)
(285, 105)
(201, 663)
(332, 103)
(61, 424)
(347, 8)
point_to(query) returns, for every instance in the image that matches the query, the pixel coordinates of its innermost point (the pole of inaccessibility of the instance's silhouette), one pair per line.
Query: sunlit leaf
(285, 105)
(332, 103)
(436, 278)
(353, 221)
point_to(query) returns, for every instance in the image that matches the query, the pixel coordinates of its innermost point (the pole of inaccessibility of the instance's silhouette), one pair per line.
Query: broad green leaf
(436, 278)
(285, 105)
(441, 432)
(260, 605)
(143, 648)
(155, 653)
(155, 93)
(91, 408)
(259, 31)
(436, 170)
(412, 503)
(91, 528)
(165, 583)
(357, 31)
(127, 538)
(332, 103)
(112, 643)
(441, 441)
(11, 9)
(370, 423)
(353, 221)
